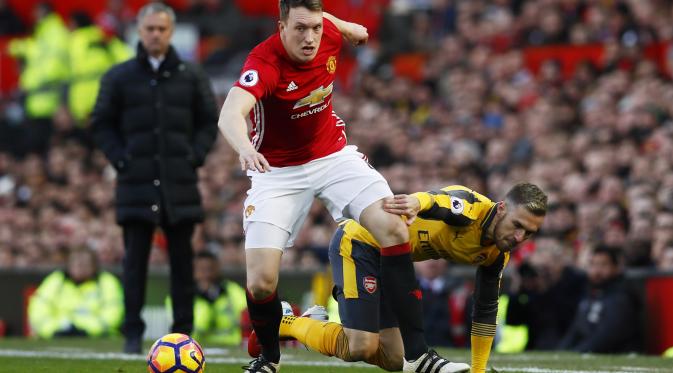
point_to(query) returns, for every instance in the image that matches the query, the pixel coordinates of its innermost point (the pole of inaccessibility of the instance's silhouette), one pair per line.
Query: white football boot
(431, 362)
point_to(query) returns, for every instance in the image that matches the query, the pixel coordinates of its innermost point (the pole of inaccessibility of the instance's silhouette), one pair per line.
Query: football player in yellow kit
(455, 224)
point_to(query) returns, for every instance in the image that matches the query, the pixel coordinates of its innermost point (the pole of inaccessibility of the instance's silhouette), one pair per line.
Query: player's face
(514, 226)
(155, 32)
(301, 34)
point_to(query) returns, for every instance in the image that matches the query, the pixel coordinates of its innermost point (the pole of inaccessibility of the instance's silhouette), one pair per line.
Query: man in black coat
(607, 318)
(547, 296)
(156, 119)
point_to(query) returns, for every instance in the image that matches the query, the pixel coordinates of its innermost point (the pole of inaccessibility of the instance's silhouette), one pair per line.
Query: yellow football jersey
(450, 225)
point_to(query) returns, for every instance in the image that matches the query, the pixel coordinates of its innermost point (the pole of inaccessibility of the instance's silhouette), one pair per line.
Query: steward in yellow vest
(45, 63)
(81, 301)
(90, 54)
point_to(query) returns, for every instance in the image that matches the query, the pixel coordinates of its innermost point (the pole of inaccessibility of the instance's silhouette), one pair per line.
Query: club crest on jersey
(317, 96)
(249, 78)
(369, 283)
(331, 64)
(249, 210)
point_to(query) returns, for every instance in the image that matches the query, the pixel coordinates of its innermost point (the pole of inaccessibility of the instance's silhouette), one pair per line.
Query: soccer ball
(176, 353)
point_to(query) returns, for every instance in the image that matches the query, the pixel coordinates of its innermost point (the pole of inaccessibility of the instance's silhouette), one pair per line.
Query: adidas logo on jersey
(291, 87)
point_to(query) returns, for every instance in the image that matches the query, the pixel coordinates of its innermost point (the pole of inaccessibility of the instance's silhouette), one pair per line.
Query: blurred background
(573, 95)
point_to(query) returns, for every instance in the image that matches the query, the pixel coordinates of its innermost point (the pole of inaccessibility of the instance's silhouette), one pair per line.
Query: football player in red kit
(296, 151)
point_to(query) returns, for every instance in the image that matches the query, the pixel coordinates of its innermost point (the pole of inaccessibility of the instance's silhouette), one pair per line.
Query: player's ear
(281, 25)
(501, 208)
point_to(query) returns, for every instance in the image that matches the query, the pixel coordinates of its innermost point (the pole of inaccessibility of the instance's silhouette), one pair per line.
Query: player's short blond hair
(286, 5)
(529, 196)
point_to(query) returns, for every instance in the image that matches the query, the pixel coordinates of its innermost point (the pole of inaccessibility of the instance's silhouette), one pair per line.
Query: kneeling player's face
(516, 226)
(301, 34)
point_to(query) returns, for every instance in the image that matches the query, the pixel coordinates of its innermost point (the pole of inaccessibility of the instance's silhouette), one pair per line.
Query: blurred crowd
(599, 140)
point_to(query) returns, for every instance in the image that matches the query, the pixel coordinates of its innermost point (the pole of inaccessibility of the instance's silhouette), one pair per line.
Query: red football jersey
(293, 121)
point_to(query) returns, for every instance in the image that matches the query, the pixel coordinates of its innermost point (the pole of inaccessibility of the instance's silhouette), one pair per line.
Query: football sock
(321, 336)
(265, 315)
(402, 293)
(482, 339)
(328, 338)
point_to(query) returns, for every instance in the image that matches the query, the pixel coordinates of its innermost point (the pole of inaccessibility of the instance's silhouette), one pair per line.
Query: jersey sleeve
(258, 76)
(331, 33)
(455, 207)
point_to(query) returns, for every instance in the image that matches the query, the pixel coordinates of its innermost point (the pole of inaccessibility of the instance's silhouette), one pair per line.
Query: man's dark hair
(614, 253)
(286, 5)
(81, 19)
(529, 196)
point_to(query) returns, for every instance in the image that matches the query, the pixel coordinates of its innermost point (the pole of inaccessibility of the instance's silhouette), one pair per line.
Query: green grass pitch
(98, 356)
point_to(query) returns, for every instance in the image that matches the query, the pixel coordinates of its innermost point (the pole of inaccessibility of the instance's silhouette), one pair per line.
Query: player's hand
(403, 205)
(252, 160)
(357, 34)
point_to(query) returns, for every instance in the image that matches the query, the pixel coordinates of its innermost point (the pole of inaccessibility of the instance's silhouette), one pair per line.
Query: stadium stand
(574, 96)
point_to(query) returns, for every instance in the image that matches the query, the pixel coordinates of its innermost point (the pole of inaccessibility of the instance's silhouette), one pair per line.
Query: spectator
(218, 304)
(547, 295)
(90, 55)
(116, 17)
(44, 74)
(10, 23)
(607, 317)
(80, 301)
(436, 291)
(665, 262)
(155, 119)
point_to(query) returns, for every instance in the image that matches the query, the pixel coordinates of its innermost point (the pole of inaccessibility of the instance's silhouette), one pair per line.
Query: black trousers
(137, 244)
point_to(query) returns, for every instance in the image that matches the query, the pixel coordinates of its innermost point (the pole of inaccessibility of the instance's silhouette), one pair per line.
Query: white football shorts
(344, 181)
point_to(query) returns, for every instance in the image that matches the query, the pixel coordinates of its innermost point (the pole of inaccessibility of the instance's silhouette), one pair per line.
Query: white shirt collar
(155, 62)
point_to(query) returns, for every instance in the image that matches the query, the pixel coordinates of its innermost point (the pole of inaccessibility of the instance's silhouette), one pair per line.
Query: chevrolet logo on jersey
(317, 96)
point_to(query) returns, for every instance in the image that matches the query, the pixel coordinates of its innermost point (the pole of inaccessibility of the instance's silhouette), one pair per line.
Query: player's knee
(399, 230)
(392, 228)
(261, 288)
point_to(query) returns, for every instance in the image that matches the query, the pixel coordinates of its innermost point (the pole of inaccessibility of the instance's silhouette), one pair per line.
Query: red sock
(400, 287)
(265, 315)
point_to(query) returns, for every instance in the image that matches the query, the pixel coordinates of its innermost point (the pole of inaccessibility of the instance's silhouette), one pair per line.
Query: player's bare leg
(262, 267)
(391, 350)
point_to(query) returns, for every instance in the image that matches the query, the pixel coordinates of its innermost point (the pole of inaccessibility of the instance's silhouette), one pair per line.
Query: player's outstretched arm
(355, 33)
(232, 124)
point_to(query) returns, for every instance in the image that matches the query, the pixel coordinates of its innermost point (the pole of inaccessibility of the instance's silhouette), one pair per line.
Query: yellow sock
(481, 350)
(329, 339)
(321, 336)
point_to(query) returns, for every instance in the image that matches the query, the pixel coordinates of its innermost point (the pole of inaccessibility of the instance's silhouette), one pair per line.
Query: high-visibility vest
(669, 352)
(219, 322)
(512, 338)
(45, 70)
(95, 306)
(90, 56)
